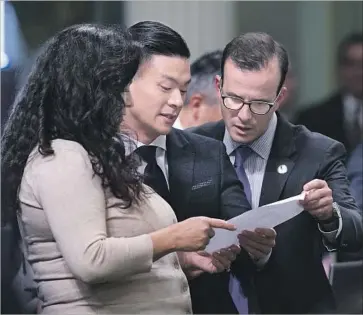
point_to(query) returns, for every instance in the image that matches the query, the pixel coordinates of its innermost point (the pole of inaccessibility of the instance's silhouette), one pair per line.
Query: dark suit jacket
(294, 281)
(355, 175)
(203, 183)
(8, 84)
(326, 118)
(10, 264)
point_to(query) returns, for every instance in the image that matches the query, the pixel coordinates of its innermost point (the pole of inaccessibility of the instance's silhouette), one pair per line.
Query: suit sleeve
(334, 173)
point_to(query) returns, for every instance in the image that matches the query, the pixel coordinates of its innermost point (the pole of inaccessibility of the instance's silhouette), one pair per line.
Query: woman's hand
(196, 263)
(189, 235)
(195, 233)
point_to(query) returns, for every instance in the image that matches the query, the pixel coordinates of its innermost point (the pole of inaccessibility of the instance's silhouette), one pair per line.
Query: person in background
(97, 238)
(355, 176)
(340, 116)
(201, 101)
(14, 52)
(14, 48)
(191, 172)
(276, 160)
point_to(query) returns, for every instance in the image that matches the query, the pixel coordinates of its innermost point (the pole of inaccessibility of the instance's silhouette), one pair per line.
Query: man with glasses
(276, 160)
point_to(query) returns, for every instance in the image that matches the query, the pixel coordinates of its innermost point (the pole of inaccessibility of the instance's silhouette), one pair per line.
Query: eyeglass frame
(270, 104)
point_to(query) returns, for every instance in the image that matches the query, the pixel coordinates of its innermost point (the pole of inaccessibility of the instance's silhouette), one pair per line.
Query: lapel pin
(282, 169)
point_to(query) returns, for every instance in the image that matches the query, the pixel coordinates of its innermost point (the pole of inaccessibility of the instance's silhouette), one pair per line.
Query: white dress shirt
(351, 107)
(177, 124)
(255, 164)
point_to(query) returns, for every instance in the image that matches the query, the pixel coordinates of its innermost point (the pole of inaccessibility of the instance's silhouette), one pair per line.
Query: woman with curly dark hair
(98, 240)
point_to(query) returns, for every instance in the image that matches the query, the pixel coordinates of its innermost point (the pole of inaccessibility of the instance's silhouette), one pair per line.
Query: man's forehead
(271, 65)
(172, 68)
(355, 51)
(183, 81)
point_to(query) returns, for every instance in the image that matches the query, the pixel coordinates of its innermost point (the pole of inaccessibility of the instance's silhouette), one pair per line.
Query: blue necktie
(242, 153)
(235, 289)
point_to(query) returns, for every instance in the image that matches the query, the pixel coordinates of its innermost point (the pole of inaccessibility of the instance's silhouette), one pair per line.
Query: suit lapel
(219, 130)
(280, 163)
(180, 155)
(336, 127)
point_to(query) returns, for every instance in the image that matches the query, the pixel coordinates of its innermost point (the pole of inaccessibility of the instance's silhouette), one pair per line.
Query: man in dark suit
(195, 175)
(340, 116)
(284, 160)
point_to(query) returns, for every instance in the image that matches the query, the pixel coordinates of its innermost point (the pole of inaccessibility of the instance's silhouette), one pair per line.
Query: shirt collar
(350, 104)
(133, 144)
(261, 146)
(177, 124)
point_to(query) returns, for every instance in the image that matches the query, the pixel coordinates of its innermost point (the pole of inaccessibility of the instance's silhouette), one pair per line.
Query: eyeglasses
(256, 107)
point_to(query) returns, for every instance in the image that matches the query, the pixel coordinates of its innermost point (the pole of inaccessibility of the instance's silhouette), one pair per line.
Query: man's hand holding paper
(258, 243)
(318, 199)
(261, 219)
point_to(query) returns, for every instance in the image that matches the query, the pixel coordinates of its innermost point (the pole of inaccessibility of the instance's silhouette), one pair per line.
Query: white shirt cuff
(330, 237)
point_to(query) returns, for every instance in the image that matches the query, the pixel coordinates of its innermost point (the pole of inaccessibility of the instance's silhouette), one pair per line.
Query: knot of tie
(147, 153)
(242, 153)
(153, 175)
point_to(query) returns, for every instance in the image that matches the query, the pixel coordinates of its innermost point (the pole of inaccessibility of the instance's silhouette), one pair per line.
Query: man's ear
(126, 95)
(218, 83)
(281, 97)
(194, 105)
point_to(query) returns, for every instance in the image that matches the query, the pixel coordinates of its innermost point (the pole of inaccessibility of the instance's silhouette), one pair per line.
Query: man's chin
(164, 130)
(241, 138)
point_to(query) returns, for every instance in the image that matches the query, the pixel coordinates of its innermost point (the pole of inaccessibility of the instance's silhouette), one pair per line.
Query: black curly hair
(74, 92)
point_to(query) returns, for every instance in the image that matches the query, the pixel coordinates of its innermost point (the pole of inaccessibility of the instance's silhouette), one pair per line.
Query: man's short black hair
(252, 51)
(156, 38)
(204, 71)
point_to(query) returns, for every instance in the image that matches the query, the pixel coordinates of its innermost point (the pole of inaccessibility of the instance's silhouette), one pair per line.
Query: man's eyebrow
(238, 96)
(232, 94)
(165, 76)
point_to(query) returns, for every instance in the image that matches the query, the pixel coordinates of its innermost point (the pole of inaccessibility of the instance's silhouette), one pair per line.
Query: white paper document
(267, 216)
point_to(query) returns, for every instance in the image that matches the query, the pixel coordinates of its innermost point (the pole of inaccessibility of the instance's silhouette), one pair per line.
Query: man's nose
(245, 113)
(176, 99)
